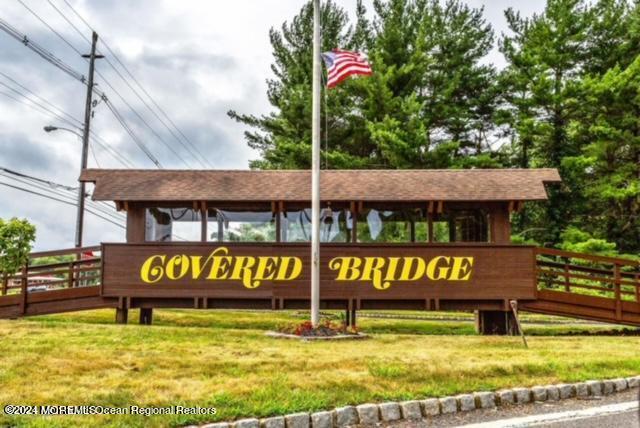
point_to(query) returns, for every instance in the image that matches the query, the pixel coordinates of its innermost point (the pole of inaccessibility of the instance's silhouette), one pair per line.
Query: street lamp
(50, 128)
(81, 189)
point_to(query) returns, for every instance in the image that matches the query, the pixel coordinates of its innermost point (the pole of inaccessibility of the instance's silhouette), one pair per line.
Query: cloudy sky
(196, 58)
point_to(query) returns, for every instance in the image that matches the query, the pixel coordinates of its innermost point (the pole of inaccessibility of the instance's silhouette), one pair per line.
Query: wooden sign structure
(418, 239)
(369, 274)
(407, 267)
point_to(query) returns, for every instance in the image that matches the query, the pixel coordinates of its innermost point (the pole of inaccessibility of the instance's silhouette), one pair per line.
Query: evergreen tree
(609, 165)
(545, 55)
(428, 104)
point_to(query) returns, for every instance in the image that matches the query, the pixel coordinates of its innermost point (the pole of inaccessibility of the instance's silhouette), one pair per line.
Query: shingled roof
(336, 185)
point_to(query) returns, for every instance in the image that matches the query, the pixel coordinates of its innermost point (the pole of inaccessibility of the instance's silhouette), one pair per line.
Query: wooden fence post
(71, 274)
(5, 284)
(618, 294)
(24, 282)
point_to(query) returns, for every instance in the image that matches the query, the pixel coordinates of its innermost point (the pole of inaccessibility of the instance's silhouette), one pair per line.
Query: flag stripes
(342, 64)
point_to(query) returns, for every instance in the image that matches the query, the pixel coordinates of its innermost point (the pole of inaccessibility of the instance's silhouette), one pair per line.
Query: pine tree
(545, 55)
(429, 103)
(609, 166)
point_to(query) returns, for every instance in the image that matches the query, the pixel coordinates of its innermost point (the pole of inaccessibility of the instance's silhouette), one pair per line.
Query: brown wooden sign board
(281, 271)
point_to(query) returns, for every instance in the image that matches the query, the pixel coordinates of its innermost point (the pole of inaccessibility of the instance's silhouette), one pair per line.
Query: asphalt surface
(615, 411)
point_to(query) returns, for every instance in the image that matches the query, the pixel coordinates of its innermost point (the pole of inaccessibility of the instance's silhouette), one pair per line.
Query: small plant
(325, 328)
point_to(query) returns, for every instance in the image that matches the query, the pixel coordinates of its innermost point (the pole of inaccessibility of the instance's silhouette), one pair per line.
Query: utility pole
(315, 170)
(85, 138)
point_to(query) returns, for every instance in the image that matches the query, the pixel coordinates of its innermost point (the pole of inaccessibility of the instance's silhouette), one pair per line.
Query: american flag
(342, 64)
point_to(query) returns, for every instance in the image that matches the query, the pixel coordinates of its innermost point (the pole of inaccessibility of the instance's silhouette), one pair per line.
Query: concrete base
(146, 316)
(122, 315)
(496, 323)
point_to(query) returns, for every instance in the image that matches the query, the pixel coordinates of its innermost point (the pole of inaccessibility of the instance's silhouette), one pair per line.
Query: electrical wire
(49, 57)
(184, 141)
(29, 181)
(60, 36)
(140, 144)
(68, 43)
(106, 58)
(62, 201)
(39, 50)
(52, 188)
(33, 94)
(49, 112)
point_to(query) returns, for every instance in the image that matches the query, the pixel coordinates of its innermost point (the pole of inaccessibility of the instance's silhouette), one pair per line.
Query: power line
(47, 111)
(184, 141)
(24, 88)
(108, 84)
(49, 57)
(130, 132)
(130, 87)
(56, 189)
(67, 196)
(62, 201)
(39, 50)
(40, 180)
(50, 28)
(171, 149)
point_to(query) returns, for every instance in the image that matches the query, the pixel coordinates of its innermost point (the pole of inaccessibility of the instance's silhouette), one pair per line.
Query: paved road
(614, 411)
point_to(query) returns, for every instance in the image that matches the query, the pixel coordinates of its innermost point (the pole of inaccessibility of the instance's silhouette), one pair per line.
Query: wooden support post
(354, 222)
(567, 283)
(203, 221)
(514, 308)
(122, 311)
(412, 226)
(24, 282)
(71, 274)
(353, 317)
(284, 222)
(618, 294)
(122, 315)
(5, 284)
(275, 210)
(146, 316)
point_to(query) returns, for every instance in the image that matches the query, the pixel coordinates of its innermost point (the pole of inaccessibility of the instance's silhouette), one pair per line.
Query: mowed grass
(222, 359)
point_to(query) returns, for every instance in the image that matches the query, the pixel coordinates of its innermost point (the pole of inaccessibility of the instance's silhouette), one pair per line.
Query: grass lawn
(222, 359)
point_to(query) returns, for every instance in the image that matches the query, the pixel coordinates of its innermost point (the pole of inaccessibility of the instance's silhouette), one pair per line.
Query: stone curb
(371, 414)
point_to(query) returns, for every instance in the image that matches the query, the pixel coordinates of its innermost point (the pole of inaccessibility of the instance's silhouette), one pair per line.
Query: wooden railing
(578, 274)
(78, 267)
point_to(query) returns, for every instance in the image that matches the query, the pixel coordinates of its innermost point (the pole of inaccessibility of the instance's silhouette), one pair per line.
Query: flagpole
(315, 170)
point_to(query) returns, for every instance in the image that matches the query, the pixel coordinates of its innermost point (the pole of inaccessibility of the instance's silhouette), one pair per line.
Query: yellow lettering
(242, 270)
(220, 265)
(392, 267)
(266, 269)
(175, 262)
(434, 265)
(405, 274)
(461, 269)
(373, 266)
(296, 268)
(347, 268)
(150, 273)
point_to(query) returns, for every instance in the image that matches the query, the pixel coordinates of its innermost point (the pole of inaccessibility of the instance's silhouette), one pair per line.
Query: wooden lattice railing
(583, 276)
(79, 267)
